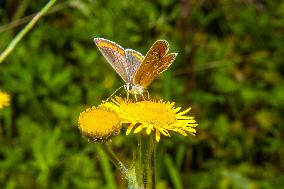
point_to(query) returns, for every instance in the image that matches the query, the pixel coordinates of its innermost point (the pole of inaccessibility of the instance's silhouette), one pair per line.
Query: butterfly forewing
(155, 53)
(159, 67)
(115, 55)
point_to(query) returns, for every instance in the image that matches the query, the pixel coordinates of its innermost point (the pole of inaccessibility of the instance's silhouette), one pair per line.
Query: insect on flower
(137, 71)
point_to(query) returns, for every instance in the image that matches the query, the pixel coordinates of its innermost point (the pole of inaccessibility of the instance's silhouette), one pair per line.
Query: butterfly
(137, 71)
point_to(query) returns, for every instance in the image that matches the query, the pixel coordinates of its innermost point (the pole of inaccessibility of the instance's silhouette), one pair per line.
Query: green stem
(106, 167)
(145, 163)
(115, 160)
(24, 31)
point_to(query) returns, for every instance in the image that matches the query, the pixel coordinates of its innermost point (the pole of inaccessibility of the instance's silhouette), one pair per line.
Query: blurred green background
(229, 70)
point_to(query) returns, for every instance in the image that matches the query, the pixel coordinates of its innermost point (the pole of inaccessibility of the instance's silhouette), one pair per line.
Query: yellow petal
(129, 128)
(138, 129)
(149, 129)
(183, 112)
(158, 135)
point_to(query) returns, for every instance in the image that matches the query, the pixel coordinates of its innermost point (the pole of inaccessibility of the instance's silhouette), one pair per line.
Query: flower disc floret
(153, 116)
(99, 123)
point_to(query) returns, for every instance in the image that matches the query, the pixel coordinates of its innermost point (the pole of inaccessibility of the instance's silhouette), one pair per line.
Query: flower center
(154, 113)
(99, 123)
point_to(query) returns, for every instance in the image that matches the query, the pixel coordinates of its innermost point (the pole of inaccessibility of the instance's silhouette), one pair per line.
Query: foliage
(229, 69)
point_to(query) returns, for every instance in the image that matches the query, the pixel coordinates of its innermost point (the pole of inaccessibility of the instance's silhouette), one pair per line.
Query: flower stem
(145, 162)
(115, 160)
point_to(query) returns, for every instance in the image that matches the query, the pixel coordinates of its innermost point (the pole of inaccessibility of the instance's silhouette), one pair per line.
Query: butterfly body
(137, 71)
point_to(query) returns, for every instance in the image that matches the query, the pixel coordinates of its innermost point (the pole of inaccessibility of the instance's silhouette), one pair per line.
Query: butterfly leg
(127, 86)
(140, 90)
(127, 98)
(135, 95)
(141, 93)
(148, 94)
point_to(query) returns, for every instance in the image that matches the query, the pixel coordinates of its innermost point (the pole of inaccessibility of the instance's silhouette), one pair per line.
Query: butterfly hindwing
(159, 67)
(115, 55)
(155, 53)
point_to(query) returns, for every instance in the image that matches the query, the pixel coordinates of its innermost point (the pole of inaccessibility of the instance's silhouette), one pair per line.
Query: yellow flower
(157, 117)
(99, 123)
(4, 99)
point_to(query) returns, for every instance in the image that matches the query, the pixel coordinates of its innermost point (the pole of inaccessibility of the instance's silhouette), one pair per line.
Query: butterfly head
(133, 89)
(137, 89)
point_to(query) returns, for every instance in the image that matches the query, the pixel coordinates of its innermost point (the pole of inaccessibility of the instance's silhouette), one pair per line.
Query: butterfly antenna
(114, 92)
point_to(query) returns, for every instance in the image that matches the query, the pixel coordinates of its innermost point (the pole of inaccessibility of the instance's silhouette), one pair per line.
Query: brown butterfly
(137, 71)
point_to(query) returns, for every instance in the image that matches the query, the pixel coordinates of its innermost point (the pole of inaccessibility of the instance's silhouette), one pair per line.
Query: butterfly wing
(148, 69)
(159, 67)
(134, 60)
(115, 55)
